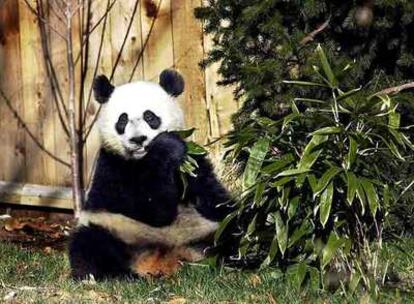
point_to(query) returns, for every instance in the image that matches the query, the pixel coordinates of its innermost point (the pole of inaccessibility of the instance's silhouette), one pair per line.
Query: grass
(38, 277)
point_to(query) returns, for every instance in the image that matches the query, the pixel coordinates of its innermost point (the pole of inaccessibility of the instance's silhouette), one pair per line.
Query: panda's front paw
(169, 148)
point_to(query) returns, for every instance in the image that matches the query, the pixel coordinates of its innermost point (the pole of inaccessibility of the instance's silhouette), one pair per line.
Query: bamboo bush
(316, 185)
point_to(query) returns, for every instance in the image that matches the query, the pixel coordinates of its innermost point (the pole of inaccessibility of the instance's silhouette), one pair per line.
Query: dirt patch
(36, 232)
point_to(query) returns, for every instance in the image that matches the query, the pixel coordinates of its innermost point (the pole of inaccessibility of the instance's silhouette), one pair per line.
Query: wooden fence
(176, 40)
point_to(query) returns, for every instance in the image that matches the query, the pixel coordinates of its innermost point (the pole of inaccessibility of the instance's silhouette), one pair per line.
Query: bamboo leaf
(255, 161)
(394, 119)
(278, 164)
(362, 197)
(305, 83)
(281, 232)
(328, 252)
(352, 153)
(293, 206)
(352, 182)
(309, 156)
(252, 226)
(195, 149)
(327, 130)
(326, 66)
(223, 225)
(326, 204)
(386, 196)
(291, 172)
(297, 273)
(299, 232)
(185, 133)
(258, 195)
(310, 100)
(282, 181)
(273, 250)
(313, 182)
(326, 178)
(348, 94)
(371, 195)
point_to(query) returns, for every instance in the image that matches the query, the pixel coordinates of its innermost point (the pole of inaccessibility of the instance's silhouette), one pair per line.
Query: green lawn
(37, 277)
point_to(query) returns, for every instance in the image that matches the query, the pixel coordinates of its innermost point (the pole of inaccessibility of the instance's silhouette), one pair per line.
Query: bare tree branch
(395, 90)
(154, 18)
(29, 132)
(134, 11)
(98, 59)
(55, 12)
(75, 143)
(84, 53)
(108, 9)
(311, 36)
(51, 73)
(85, 38)
(33, 10)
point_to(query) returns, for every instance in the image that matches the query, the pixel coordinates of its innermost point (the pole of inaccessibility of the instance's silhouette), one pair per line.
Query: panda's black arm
(165, 154)
(136, 189)
(211, 198)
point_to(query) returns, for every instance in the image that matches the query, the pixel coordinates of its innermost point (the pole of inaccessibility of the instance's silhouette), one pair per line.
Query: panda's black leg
(94, 251)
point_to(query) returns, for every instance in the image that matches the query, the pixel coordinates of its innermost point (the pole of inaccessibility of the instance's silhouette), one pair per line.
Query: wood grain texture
(158, 54)
(127, 14)
(58, 57)
(37, 112)
(100, 57)
(12, 137)
(35, 195)
(188, 51)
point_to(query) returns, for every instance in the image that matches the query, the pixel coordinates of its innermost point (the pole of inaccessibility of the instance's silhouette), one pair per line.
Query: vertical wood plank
(158, 54)
(12, 152)
(188, 52)
(103, 66)
(59, 59)
(126, 14)
(40, 169)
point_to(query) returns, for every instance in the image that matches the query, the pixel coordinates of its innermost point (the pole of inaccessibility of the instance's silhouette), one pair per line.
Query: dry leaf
(13, 224)
(47, 250)
(177, 300)
(271, 299)
(255, 280)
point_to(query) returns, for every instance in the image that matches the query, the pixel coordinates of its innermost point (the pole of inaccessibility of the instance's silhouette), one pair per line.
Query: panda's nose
(138, 140)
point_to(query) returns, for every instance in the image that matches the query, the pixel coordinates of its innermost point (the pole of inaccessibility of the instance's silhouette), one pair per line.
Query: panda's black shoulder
(211, 198)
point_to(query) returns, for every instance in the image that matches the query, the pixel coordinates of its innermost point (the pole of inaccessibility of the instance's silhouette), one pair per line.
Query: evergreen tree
(260, 43)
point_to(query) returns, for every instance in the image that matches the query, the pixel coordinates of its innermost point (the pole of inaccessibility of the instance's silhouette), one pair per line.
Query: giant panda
(136, 220)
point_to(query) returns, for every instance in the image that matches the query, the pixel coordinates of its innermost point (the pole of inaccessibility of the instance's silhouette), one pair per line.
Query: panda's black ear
(172, 82)
(102, 88)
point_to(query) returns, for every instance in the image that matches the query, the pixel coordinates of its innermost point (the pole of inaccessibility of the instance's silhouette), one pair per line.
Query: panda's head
(133, 114)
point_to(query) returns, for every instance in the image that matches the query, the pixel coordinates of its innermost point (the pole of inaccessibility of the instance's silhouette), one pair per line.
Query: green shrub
(319, 181)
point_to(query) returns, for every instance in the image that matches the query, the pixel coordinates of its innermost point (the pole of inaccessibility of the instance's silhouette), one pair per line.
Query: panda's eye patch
(152, 120)
(121, 123)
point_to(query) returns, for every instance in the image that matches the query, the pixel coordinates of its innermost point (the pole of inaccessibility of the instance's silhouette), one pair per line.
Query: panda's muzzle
(138, 140)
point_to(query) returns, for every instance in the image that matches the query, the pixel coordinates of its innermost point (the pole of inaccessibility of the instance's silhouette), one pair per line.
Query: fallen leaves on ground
(35, 232)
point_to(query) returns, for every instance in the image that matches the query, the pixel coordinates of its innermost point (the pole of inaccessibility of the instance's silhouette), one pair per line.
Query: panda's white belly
(189, 227)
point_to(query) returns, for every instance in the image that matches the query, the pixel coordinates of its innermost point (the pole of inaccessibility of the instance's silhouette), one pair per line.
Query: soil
(43, 230)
